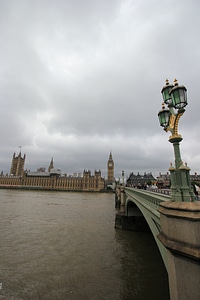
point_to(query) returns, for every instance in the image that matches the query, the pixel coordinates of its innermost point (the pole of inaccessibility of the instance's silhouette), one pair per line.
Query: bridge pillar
(117, 197)
(180, 234)
(123, 200)
(135, 221)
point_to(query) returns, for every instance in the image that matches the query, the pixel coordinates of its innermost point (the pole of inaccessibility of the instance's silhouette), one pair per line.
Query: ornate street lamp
(175, 98)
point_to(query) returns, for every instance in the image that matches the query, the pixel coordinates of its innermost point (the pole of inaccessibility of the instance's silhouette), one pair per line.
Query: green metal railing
(152, 199)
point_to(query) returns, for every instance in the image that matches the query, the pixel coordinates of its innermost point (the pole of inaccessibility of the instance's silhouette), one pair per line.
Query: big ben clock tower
(110, 166)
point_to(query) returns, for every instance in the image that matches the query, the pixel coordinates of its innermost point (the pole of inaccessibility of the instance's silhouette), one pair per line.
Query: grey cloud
(81, 78)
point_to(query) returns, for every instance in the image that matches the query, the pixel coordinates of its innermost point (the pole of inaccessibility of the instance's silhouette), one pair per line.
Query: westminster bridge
(176, 230)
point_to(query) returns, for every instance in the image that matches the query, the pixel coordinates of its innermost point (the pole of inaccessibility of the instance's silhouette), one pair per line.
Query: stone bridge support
(180, 234)
(135, 221)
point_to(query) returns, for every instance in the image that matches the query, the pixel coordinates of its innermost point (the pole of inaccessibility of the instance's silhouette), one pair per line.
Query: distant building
(139, 180)
(195, 178)
(41, 169)
(17, 165)
(110, 170)
(52, 179)
(163, 180)
(51, 165)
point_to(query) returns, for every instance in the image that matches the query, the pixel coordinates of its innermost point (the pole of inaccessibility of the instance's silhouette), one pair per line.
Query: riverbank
(38, 188)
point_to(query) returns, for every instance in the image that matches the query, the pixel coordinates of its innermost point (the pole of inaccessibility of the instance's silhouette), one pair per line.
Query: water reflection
(142, 271)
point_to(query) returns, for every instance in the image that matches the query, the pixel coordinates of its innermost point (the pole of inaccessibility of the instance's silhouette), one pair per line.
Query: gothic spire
(51, 165)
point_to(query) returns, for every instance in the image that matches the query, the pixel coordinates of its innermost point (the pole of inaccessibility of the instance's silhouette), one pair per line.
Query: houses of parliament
(53, 180)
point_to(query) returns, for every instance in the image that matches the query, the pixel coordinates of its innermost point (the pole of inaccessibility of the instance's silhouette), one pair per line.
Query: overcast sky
(81, 78)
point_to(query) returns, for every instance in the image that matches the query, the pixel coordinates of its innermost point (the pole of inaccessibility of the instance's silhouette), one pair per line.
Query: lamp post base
(181, 190)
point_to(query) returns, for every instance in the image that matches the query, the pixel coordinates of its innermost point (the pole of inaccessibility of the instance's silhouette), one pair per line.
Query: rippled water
(60, 245)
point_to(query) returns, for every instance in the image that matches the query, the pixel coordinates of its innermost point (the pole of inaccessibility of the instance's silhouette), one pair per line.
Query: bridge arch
(139, 202)
(132, 209)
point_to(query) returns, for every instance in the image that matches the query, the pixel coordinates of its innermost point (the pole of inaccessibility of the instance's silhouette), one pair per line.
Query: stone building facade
(195, 178)
(54, 181)
(51, 180)
(163, 180)
(17, 165)
(110, 170)
(139, 180)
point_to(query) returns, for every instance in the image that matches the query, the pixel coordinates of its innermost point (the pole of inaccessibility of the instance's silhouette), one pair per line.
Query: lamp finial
(175, 82)
(167, 82)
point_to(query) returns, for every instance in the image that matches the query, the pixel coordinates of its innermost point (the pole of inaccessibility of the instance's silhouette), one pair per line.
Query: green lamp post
(175, 99)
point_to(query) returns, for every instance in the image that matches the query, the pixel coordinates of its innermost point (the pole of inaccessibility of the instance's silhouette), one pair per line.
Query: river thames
(62, 245)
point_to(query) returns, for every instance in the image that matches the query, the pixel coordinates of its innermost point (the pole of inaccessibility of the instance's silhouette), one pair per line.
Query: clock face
(110, 164)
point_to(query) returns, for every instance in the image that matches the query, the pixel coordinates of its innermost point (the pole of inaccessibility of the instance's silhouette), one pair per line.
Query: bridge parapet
(147, 197)
(161, 191)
